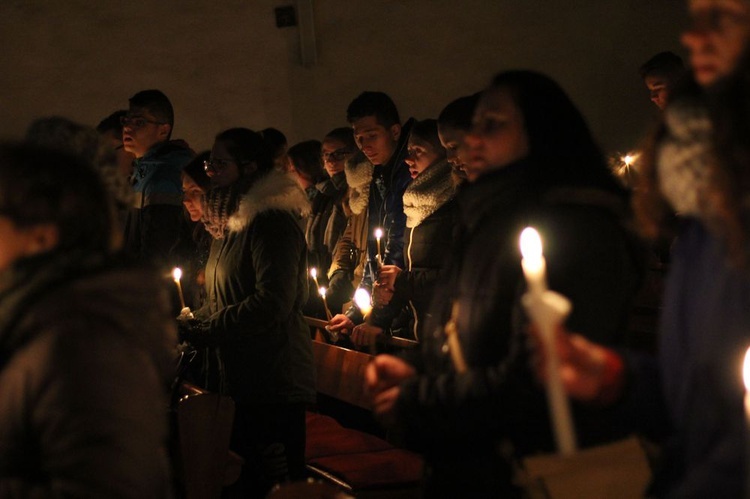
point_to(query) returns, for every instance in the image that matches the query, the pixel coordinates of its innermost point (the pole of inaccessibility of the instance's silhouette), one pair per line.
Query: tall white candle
(322, 291)
(177, 275)
(378, 236)
(547, 309)
(746, 379)
(314, 275)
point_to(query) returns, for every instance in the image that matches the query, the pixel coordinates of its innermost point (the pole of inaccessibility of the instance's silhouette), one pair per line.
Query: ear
(164, 130)
(41, 238)
(395, 131)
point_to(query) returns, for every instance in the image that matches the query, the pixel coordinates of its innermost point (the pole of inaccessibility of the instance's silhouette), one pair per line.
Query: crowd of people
(422, 217)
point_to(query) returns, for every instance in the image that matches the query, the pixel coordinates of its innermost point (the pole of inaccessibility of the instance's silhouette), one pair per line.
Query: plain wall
(226, 64)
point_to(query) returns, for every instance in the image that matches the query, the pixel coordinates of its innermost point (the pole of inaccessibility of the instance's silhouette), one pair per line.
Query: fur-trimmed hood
(359, 171)
(274, 191)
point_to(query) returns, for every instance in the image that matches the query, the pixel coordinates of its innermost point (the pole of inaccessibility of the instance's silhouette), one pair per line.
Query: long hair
(305, 157)
(562, 151)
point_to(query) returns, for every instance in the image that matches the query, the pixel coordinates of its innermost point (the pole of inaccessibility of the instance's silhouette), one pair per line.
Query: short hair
(459, 114)
(112, 123)
(41, 185)
(344, 134)
(305, 158)
(275, 139)
(666, 64)
(247, 146)
(197, 172)
(376, 104)
(427, 131)
(156, 103)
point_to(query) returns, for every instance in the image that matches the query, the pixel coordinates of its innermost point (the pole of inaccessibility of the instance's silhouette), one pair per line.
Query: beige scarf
(429, 191)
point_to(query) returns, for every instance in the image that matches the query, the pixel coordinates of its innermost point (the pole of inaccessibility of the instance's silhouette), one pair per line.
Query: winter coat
(256, 284)
(468, 424)
(85, 365)
(326, 222)
(430, 220)
(153, 223)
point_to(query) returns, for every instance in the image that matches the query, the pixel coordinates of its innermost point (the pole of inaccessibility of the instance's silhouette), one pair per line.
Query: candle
(177, 275)
(322, 291)
(362, 300)
(746, 379)
(547, 310)
(314, 275)
(378, 235)
(454, 345)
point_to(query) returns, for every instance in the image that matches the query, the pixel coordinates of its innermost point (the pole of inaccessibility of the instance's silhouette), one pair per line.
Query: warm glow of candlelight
(531, 245)
(362, 300)
(378, 233)
(314, 273)
(746, 370)
(322, 291)
(629, 159)
(176, 274)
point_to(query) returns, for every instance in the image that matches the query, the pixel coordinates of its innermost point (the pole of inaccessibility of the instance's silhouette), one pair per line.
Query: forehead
(332, 145)
(496, 99)
(450, 134)
(367, 124)
(140, 111)
(655, 82)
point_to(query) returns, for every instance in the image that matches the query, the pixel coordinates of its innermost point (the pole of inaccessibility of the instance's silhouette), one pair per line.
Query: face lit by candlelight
(498, 137)
(420, 156)
(717, 37)
(192, 196)
(222, 169)
(376, 141)
(455, 147)
(139, 139)
(334, 154)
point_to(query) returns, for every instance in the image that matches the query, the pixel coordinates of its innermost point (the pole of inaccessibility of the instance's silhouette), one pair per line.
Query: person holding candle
(256, 283)
(531, 161)
(86, 340)
(691, 394)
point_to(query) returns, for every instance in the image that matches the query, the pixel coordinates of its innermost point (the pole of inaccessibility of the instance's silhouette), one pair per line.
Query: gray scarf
(429, 191)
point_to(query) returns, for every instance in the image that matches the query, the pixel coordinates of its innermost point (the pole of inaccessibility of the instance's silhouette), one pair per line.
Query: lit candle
(322, 291)
(378, 235)
(547, 310)
(177, 275)
(314, 275)
(746, 379)
(362, 300)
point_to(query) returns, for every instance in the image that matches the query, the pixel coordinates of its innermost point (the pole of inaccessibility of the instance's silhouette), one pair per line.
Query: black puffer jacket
(85, 363)
(463, 421)
(256, 281)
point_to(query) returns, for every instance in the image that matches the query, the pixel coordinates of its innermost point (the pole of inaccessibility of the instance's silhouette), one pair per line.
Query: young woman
(532, 161)
(256, 284)
(85, 341)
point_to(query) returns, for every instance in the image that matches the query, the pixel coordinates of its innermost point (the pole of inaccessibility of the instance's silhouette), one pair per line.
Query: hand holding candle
(378, 236)
(547, 310)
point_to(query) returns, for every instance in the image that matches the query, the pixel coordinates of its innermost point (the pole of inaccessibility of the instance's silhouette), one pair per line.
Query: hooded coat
(256, 285)
(85, 365)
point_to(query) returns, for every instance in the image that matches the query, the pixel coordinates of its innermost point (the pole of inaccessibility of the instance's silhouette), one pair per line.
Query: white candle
(314, 275)
(362, 300)
(547, 310)
(322, 291)
(746, 379)
(177, 275)
(378, 235)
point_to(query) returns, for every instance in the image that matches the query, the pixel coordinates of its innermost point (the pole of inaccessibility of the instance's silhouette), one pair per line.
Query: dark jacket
(326, 222)
(256, 282)
(153, 223)
(470, 423)
(85, 363)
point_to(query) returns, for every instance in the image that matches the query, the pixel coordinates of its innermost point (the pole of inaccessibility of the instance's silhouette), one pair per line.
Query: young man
(660, 74)
(381, 140)
(153, 224)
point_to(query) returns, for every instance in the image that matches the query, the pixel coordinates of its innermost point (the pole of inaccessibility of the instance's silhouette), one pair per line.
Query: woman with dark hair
(256, 284)
(698, 167)
(454, 122)
(78, 328)
(532, 162)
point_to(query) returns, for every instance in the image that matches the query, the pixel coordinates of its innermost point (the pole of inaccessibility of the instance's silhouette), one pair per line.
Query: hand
(589, 372)
(366, 335)
(195, 332)
(387, 276)
(382, 379)
(381, 296)
(340, 323)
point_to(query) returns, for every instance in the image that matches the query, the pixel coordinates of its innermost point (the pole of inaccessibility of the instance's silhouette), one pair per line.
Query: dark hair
(562, 150)
(40, 185)
(667, 64)
(246, 146)
(275, 140)
(376, 104)
(459, 113)
(157, 104)
(427, 131)
(196, 171)
(112, 124)
(343, 134)
(305, 158)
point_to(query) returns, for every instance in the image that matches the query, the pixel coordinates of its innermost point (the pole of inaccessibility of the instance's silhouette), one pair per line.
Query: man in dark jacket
(382, 140)
(153, 224)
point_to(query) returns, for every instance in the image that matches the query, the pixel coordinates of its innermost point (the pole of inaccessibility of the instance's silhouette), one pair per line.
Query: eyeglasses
(137, 121)
(217, 165)
(336, 155)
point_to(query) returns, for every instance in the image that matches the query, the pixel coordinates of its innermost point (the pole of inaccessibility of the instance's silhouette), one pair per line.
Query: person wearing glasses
(154, 222)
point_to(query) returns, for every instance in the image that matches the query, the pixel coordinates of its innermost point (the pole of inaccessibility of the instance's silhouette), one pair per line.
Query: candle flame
(314, 273)
(378, 233)
(531, 244)
(362, 300)
(322, 291)
(746, 370)
(177, 273)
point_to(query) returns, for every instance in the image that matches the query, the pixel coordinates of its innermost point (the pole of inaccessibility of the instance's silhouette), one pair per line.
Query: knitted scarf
(428, 192)
(219, 204)
(359, 172)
